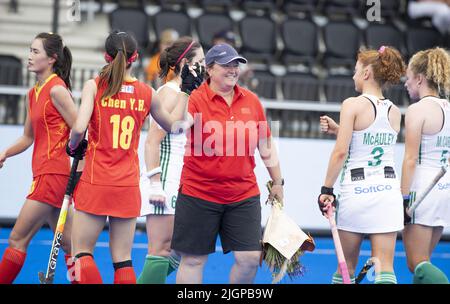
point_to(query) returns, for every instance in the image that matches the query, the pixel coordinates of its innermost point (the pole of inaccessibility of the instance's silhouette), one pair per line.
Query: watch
(281, 184)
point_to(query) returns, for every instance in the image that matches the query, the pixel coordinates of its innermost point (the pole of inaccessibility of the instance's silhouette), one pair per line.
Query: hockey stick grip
(72, 177)
(338, 246)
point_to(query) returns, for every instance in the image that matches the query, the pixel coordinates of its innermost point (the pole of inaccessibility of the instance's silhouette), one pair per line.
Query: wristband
(326, 190)
(281, 182)
(153, 172)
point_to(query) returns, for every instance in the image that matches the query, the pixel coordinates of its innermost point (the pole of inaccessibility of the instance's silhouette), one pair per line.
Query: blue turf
(320, 264)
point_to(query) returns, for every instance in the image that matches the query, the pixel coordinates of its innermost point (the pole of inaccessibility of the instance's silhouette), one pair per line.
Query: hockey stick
(416, 204)
(48, 277)
(337, 244)
(362, 274)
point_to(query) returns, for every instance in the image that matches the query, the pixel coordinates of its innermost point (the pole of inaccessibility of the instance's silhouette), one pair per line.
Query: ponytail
(121, 52)
(63, 66)
(113, 74)
(164, 65)
(438, 71)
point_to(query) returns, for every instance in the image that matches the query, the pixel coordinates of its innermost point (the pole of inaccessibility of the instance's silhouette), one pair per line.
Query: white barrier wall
(303, 163)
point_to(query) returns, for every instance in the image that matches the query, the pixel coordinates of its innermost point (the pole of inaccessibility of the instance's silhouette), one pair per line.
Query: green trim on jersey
(164, 159)
(345, 166)
(420, 153)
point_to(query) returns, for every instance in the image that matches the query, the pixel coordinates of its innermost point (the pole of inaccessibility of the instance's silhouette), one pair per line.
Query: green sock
(337, 279)
(155, 270)
(427, 273)
(174, 262)
(385, 277)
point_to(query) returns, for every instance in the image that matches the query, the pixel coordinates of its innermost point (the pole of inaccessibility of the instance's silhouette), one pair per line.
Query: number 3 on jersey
(377, 153)
(444, 157)
(126, 131)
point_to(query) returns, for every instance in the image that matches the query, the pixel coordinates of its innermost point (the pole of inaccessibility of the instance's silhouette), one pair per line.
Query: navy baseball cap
(223, 54)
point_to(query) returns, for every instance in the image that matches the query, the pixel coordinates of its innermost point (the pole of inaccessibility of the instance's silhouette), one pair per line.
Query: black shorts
(198, 222)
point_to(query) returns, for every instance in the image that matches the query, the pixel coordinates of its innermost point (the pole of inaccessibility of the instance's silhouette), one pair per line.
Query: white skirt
(369, 206)
(434, 211)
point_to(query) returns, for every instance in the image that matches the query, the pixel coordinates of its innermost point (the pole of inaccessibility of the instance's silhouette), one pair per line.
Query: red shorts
(49, 189)
(122, 202)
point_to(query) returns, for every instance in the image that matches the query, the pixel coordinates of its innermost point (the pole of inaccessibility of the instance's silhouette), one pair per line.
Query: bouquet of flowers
(284, 243)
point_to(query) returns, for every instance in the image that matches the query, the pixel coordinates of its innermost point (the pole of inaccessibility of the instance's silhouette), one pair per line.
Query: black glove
(79, 151)
(406, 217)
(188, 81)
(328, 191)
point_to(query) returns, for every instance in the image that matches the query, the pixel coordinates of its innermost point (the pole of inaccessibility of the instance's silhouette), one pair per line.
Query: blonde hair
(434, 64)
(387, 64)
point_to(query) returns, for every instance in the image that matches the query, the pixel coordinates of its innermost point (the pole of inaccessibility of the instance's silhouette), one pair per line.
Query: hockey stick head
(362, 274)
(43, 279)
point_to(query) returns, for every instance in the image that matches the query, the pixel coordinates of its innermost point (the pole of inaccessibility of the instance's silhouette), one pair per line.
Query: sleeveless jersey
(435, 149)
(50, 130)
(374, 146)
(113, 135)
(172, 149)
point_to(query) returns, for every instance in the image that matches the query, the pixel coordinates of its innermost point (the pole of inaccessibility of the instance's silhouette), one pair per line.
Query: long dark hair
(170, 57)
(120, 47)
(54, 47)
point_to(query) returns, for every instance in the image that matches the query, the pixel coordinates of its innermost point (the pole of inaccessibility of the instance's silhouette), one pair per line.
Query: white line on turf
(366, 253)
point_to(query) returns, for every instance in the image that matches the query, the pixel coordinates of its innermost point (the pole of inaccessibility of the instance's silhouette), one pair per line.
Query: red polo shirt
(219, 158)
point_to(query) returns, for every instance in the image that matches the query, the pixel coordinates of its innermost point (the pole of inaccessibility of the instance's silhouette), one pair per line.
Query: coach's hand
(191, 78)
(326, 199)
(157, 195)
(406, 217)
(328, 125)
(276, 192)
(79, 151)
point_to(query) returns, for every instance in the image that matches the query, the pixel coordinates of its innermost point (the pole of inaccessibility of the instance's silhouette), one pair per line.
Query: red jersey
(219, 158)
(51, 131)
(113, 135)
